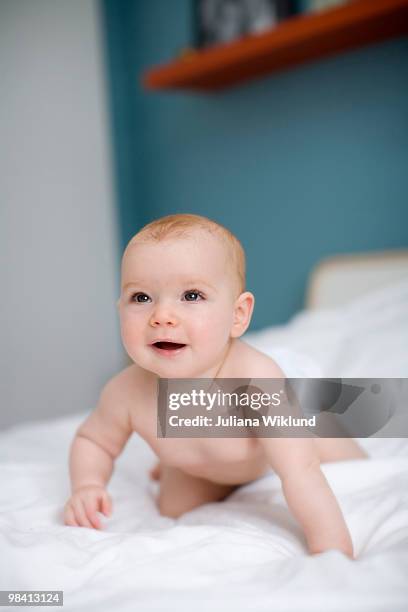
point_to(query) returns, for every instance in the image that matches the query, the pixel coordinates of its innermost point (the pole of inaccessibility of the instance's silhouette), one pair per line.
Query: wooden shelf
(297, 40)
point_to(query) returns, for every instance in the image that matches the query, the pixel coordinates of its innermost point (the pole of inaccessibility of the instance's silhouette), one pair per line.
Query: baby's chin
(173, 370)
(164, 370)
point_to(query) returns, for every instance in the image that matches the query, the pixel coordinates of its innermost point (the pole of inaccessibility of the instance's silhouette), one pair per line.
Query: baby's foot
(154, 473)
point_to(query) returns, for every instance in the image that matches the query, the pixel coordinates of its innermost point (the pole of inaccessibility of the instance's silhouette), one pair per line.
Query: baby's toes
(154, 473)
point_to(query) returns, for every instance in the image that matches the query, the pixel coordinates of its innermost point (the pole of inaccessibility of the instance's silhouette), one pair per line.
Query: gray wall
(59, 331)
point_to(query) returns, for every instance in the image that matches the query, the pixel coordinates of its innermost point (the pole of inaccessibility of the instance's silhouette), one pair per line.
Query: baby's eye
(193, 296)
(141, 298)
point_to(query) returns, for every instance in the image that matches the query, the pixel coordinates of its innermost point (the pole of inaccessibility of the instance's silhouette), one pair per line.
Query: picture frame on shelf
(313, 6)
(222, 21)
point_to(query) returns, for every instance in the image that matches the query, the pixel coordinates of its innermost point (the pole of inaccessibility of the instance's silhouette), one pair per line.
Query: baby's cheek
(215, 331)
(129, 331)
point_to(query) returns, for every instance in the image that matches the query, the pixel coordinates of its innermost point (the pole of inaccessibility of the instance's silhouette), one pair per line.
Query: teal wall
(300, 165)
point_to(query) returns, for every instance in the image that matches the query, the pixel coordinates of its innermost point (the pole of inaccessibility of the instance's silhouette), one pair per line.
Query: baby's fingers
(80, 515)
(106, 504)
(91, 508)
(69, 517)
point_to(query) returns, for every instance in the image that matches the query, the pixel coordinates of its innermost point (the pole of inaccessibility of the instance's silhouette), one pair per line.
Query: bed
(246, 552)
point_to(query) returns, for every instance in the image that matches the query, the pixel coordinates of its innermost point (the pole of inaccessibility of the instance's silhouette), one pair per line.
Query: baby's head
(183, 296)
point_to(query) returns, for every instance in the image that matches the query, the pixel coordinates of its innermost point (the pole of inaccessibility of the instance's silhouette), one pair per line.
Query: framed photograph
(312, 6)
(222, 21)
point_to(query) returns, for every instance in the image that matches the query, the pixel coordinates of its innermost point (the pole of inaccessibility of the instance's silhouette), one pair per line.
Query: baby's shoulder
(128, 385)
(248, 362)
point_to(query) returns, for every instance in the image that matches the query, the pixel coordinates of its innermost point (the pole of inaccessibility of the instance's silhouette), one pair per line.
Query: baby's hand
(82, 507)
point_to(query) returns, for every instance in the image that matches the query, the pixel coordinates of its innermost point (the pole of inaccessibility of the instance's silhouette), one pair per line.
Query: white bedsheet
(246, 552)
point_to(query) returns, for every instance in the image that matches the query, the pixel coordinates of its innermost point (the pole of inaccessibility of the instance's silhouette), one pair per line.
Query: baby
(183, 308)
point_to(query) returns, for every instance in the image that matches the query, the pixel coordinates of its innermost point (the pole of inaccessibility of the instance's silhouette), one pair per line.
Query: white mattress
(246, 552)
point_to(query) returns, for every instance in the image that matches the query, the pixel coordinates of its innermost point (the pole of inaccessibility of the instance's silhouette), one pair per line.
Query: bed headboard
(339, 279)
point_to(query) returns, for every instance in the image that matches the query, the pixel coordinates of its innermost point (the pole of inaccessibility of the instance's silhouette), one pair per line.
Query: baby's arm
(308, 493)
(97, 443)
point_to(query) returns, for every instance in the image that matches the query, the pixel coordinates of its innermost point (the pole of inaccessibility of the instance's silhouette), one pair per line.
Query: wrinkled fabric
(246, 552)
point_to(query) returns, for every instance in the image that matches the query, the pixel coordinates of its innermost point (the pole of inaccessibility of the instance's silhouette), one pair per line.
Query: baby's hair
(181, 225)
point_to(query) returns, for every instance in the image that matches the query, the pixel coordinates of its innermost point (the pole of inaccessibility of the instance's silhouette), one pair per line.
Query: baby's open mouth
(168, 346)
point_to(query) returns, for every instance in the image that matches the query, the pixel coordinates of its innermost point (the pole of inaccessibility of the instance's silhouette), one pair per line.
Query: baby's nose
(163, 315)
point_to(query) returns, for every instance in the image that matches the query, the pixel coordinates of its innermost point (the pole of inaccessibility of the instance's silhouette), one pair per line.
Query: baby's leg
(181, 492)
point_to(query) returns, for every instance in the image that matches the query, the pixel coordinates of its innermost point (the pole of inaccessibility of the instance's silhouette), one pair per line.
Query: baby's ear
(243, 310)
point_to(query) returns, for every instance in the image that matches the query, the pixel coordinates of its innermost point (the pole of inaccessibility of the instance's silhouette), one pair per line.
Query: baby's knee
(169, 508)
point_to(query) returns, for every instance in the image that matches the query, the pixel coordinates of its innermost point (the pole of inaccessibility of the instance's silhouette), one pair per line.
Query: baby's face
(179, 291)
